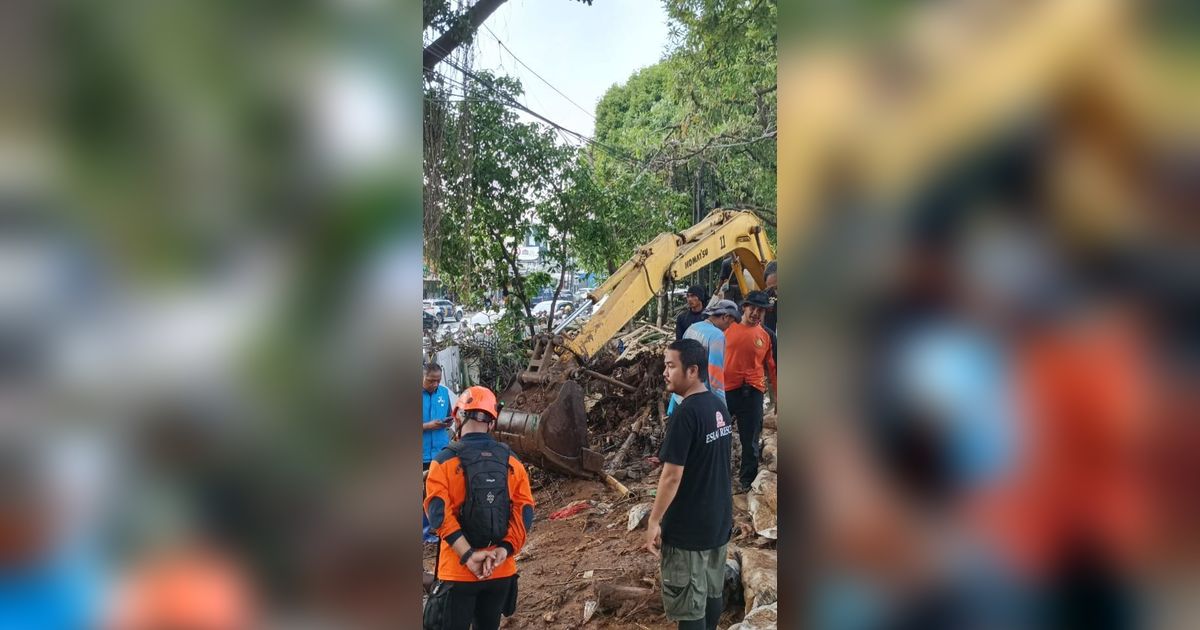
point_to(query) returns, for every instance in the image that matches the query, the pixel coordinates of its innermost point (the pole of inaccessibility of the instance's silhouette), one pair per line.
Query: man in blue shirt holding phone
(436, 423)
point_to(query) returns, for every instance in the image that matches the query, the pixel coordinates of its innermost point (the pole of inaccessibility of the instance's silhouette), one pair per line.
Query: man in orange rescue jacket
(477, 498)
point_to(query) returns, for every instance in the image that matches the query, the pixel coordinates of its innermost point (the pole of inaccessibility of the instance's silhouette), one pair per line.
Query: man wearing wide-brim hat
(749, 363)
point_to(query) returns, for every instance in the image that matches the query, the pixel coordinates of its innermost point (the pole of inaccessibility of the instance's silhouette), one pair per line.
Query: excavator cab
(543, 418)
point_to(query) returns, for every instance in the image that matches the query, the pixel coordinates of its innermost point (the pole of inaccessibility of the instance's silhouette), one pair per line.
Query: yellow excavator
(543, 419)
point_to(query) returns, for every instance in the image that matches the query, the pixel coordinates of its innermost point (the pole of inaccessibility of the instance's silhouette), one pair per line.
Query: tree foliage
(690, 133)
(695, 131)
(724, 66)
(494, 181)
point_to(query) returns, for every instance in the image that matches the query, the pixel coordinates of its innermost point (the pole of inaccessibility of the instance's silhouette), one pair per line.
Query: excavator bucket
(544, 421)
(555, 439)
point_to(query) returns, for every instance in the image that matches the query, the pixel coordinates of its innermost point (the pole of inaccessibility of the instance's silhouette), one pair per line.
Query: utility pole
(457, 34)
(454, 37)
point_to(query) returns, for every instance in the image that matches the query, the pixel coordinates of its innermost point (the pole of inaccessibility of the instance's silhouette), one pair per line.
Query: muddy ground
(565, 560)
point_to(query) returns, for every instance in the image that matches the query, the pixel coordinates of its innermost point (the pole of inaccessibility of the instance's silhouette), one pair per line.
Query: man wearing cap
(711, 334)
(696, 298)
(749, 361)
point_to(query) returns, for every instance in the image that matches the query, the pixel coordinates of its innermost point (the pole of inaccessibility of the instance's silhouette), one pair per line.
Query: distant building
(529, 256)
(431, 286)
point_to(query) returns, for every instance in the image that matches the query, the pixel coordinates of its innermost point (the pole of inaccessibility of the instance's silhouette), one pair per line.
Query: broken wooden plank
(623, 453)
(615, 485)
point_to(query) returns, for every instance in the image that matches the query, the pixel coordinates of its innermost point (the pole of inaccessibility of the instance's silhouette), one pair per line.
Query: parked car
(542, 309)
(433, 310)
(448, 309)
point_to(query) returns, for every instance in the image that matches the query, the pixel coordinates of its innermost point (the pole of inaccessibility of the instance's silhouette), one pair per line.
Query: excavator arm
(673, 256)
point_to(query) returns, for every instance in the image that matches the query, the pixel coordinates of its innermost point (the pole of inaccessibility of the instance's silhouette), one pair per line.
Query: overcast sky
(582, 50)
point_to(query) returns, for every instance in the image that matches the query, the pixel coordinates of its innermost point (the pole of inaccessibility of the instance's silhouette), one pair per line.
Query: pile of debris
(624, 422)
(752, 553)
(629, 427)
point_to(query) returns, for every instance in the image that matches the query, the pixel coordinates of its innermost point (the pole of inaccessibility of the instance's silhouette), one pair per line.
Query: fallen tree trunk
(770, 452)
(763, 500)
(623, 453)
(761, 618)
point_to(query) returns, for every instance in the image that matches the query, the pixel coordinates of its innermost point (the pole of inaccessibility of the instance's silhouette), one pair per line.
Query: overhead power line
(509, 101)
(502, 100)
(526, 66)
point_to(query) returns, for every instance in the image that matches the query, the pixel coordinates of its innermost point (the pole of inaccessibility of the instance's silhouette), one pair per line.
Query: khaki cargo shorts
(689, 578)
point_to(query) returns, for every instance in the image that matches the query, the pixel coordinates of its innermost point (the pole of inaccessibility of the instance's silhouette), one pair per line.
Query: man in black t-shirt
(693, 508)
(697, 299)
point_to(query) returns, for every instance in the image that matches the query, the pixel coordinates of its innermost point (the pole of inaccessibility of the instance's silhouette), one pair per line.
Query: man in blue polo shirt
(436, 400)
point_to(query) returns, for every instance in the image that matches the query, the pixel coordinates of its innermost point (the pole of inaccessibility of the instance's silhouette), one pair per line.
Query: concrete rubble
(763, 501)
(761, 618)
(759, 576)
(637, 515)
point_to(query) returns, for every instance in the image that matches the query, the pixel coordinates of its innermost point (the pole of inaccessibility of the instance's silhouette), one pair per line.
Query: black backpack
(486, 507)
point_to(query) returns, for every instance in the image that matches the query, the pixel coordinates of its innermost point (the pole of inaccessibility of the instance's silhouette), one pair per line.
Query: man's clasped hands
(483, 562)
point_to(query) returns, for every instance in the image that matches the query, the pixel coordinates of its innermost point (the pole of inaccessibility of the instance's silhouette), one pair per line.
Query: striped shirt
(713, 341)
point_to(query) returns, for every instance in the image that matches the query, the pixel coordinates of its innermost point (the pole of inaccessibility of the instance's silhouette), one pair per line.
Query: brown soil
(555, 563)
(559, 553)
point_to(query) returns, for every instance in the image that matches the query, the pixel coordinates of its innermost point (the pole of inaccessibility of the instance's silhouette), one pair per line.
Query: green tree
(693, 132)
(568, 220)
(492, 180)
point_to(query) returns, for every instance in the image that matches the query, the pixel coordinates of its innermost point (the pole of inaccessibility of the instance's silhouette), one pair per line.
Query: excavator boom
(672, 256)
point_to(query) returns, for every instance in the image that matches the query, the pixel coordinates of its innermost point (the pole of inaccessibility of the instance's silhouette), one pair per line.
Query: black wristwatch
(466, 554)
